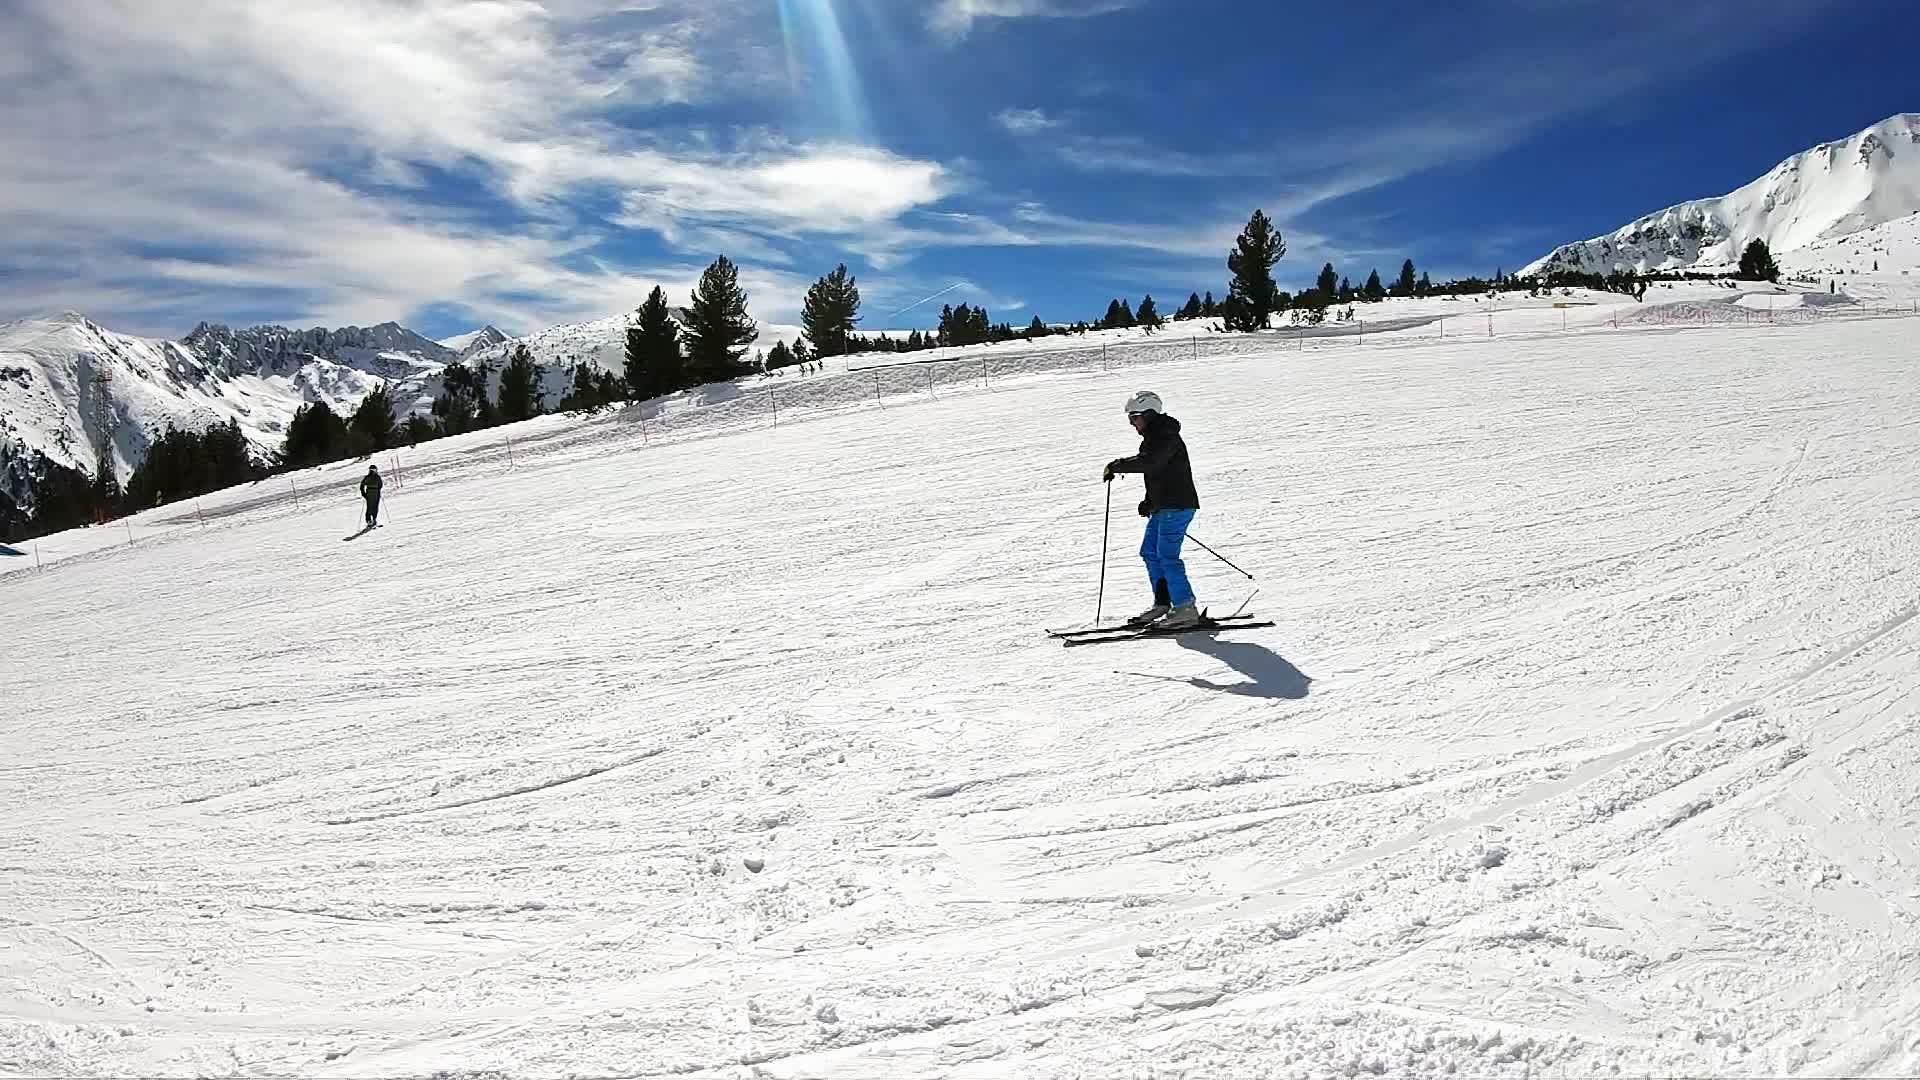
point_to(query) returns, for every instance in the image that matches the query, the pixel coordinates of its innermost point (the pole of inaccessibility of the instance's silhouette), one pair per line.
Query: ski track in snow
(1585, 741)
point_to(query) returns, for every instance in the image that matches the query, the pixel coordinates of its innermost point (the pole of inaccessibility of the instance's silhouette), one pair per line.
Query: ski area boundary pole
(1217, 555)
(510, 463)
(773, 400)
(36, 558)
(1106, 532)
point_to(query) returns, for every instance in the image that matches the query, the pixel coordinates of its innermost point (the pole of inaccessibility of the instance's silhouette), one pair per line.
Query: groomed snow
(1585, 743)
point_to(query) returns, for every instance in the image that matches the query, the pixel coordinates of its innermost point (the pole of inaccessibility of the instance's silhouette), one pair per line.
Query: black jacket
(1163, 461)
(370, 486)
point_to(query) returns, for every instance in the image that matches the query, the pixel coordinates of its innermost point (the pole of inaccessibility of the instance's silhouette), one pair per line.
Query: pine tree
(718, 327)
(485, 413)
(1328, 283)
(608, 387)
(1036, 329)
(456, 410)
(831, 311)
(315, 436)
(1373, 290)
(1406, 285)
(62, 498)
(1113, 319)
(1208, 309)
(1756, 263)
(1148, 315)
(653, 362)
(182, 464)
(419, 429)
(371, 427)
(802, 354)
(581, 393)
(1127, 320)
(1424, 287)
(1252, 261)
(1192, 310)
(520, 395)
(779, 356)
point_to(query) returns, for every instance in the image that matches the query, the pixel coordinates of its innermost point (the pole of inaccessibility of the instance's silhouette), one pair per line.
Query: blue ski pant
(1166, 531)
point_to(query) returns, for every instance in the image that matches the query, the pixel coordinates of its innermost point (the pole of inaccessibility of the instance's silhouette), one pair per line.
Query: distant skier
(370, 485)
(1169, 507)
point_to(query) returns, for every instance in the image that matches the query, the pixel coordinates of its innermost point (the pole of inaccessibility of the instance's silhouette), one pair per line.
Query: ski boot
(1148, 617)
(1181, 617)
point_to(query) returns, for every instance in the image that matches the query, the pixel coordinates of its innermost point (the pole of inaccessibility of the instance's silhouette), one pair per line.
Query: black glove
(1145, 510)
(1107, 474)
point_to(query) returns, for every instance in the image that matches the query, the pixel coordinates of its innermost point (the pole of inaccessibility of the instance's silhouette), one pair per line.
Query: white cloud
(956, 17)
(1025, 121)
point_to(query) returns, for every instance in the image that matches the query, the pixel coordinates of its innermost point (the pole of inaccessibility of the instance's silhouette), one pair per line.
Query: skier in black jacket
(1169, 507)
(370, 485)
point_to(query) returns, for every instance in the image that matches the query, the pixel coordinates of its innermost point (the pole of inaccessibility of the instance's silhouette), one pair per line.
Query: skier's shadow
(5, 550)
(1269, 674)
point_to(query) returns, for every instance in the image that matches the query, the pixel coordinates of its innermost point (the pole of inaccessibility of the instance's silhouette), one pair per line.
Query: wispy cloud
(956, 17)
(1025, 121)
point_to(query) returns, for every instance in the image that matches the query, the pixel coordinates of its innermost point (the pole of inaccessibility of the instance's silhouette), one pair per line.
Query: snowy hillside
(1881, 263)
(1585, 745)
(1829, 191)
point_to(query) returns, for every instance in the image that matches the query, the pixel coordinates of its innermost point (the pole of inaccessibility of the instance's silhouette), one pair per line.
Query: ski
(1153, 632)
(1122, 628)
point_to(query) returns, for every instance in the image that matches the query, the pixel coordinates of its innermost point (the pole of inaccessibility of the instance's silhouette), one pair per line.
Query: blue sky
(524, 162)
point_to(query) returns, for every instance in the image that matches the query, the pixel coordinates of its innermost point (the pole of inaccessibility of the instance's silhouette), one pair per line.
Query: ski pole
(1106, 532)
(1217, 555)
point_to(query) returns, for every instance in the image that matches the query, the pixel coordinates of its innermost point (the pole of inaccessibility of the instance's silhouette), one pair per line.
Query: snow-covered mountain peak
(474, 341)
(1833, 189)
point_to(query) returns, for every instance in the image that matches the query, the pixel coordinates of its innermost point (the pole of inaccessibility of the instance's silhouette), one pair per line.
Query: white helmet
(1144, 401)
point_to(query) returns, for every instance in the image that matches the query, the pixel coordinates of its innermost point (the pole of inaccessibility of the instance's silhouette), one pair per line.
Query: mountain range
(70, 388)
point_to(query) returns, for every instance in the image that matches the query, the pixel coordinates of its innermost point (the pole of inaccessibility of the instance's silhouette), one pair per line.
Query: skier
(1169, 507)
(370, 490)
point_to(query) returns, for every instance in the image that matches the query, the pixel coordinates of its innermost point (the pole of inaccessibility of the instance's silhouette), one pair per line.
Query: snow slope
(1830, 191)
(1586, 741)
(1881, 264)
